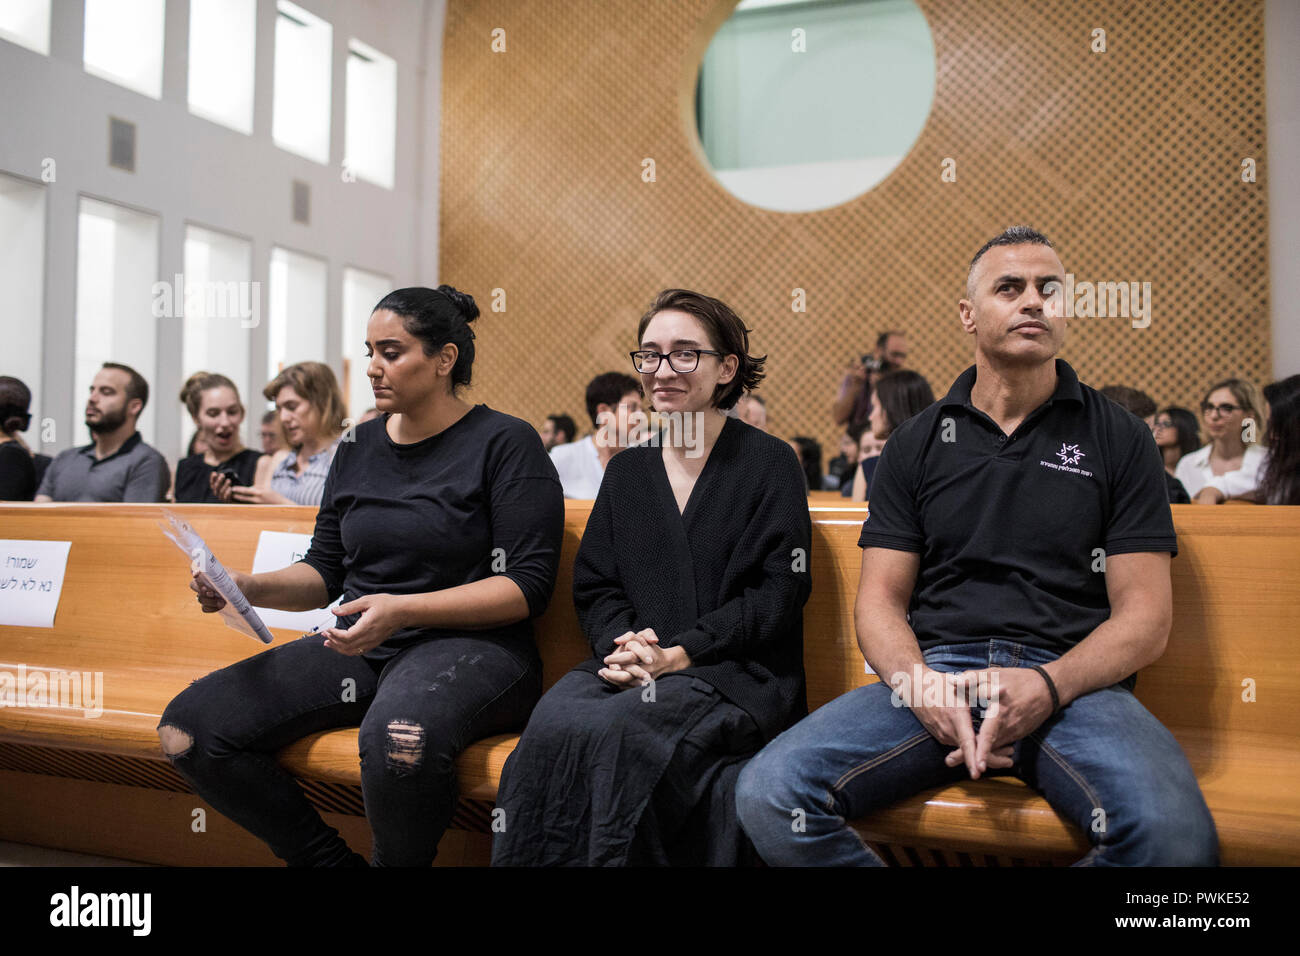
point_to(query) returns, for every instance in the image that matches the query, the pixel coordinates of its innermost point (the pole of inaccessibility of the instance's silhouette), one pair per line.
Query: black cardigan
(727, 579)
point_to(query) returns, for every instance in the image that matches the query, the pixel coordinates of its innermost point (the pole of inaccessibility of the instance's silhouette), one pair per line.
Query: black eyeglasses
(679, 360)
(1162, 424)
(1206, 408)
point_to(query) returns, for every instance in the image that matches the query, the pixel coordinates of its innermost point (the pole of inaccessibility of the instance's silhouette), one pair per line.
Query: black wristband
(1051, 688)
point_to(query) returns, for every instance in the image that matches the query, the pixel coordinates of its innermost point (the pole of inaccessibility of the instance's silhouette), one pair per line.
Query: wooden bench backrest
(126, 599)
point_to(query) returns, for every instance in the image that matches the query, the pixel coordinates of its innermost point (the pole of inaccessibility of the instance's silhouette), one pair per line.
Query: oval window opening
(806, 104)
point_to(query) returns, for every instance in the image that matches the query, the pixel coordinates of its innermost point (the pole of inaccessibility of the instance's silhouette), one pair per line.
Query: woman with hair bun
(17, 471)
(440, 526)
(213, 403)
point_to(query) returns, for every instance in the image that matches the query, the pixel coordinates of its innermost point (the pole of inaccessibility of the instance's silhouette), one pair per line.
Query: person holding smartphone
(213, 402)
(440, 525)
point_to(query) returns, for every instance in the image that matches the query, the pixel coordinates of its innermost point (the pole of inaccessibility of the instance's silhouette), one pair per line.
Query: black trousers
(416, 710)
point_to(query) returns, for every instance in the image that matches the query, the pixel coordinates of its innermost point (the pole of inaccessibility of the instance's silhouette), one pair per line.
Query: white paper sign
(276, 550)
(31, 580)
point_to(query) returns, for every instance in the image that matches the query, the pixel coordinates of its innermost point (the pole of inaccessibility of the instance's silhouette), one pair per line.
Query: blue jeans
(1104, 762)
(417, 711)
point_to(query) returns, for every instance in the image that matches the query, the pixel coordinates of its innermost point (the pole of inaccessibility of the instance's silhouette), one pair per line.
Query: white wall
(22, 266)
(192, 171)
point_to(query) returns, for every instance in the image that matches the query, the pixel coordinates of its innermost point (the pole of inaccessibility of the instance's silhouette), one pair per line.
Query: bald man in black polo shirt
(1015, 576)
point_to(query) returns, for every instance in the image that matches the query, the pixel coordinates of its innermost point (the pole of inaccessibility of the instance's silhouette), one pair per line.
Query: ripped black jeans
(417, 711)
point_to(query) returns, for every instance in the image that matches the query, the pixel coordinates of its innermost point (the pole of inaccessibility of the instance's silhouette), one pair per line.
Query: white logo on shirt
(1070, 454)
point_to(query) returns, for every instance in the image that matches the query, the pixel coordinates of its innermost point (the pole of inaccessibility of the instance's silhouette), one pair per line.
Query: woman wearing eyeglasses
(1228, 467)
(689, 585)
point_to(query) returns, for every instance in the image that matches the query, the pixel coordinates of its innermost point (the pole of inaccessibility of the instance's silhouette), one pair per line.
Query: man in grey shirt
(117, 465)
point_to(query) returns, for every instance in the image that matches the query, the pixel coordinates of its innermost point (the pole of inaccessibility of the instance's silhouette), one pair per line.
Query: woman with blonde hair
(1228, 467)
(213, 403)
(312, 411)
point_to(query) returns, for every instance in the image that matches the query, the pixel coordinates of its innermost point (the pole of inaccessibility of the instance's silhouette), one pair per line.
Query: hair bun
(463, 301)
(192, 387)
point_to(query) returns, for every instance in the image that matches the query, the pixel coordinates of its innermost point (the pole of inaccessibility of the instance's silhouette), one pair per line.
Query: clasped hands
(1018, 702)
(638, 659)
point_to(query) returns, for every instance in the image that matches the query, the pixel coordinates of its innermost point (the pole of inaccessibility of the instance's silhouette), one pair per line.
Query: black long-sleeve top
(17, 473)
(479, 498)
(726, 580)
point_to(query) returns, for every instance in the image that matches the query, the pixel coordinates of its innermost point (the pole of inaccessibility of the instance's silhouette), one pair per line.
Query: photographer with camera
(852, 406)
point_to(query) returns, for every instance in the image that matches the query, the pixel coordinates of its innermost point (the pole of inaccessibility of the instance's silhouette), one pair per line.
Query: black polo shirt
(1010, 527)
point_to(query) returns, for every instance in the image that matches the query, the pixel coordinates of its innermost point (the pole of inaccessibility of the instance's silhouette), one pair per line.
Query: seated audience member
(1228, 467)
(840, 469)
(558, 430)
(752, 410)
(117, 465)
(852, 406)
(1177, 434)
(17, 470)
(272, 440)
(869, 447)
(370, 414)
(213, 402)
(197, 445)
(1143, 406)
(898, 396)
(435, 642)
(311, 409)
(809, 451)
(987, 512)
(686, 591)
(614, 404)
(1279, 482)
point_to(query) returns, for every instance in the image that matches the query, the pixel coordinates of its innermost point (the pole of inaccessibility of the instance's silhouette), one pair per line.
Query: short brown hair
(136, 387)
(1134, 400)
(726, 332)
(316, 383)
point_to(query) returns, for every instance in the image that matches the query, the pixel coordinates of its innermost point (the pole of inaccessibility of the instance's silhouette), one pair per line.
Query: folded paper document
(237, 612)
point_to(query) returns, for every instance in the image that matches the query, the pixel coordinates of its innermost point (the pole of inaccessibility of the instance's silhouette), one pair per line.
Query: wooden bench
(101, 784)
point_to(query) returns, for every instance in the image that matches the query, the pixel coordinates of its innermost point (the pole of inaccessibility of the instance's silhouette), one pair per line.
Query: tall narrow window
(119, 300)
(22, 281)
(222, 308)
(300, 120)
(124, 43)
(361, 293)
(371, 128)
(27, 23)
(223, 45)
(296, 324)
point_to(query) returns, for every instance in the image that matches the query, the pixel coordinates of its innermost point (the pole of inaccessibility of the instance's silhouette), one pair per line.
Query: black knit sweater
(727, 579)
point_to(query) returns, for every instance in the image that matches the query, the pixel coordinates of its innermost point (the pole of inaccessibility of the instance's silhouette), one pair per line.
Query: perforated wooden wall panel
(1130, 160)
